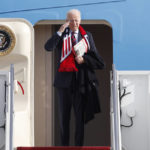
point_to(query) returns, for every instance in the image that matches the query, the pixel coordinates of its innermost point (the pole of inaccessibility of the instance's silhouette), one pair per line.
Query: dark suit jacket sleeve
(92, 58)
(53, 42)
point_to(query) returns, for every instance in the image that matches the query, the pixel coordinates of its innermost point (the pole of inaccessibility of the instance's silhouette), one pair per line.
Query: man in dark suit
(75, 78)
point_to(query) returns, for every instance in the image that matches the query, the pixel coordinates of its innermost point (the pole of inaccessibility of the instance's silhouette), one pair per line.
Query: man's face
(74, 20)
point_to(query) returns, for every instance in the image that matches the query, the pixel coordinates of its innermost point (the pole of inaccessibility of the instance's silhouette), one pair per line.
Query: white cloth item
(59, 33)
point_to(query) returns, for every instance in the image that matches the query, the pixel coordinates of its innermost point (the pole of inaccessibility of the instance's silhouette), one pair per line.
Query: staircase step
(66, 148)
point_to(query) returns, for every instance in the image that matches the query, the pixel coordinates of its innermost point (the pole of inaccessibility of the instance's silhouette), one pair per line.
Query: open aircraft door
(17, 48)
(115, 112)
(6, 109)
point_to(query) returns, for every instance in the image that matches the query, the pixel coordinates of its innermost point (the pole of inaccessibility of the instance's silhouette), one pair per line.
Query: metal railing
(115, 112)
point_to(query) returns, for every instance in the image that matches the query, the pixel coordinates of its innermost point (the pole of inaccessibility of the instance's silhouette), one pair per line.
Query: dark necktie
(73, 39)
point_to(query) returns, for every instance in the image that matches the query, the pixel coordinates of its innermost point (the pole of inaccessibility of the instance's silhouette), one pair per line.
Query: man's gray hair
(74, 11)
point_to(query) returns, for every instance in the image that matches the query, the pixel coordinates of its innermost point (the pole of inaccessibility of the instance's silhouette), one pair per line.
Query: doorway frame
(57, 22)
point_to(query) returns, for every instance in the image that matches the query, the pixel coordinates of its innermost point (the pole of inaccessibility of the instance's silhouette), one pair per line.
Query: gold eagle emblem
(7, 40)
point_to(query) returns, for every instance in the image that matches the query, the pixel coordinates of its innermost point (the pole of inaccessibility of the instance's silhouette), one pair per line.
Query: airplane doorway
(97, 131)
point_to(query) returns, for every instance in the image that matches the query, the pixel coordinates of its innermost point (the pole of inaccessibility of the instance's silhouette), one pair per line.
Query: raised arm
(55, 40)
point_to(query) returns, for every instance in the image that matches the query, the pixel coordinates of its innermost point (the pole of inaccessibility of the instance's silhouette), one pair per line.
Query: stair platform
(66, 148)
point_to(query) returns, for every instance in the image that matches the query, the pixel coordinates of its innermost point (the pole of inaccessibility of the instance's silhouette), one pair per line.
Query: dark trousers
(68, 98)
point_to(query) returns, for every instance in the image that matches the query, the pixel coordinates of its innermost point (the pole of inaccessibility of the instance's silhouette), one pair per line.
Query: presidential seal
(7, 40)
